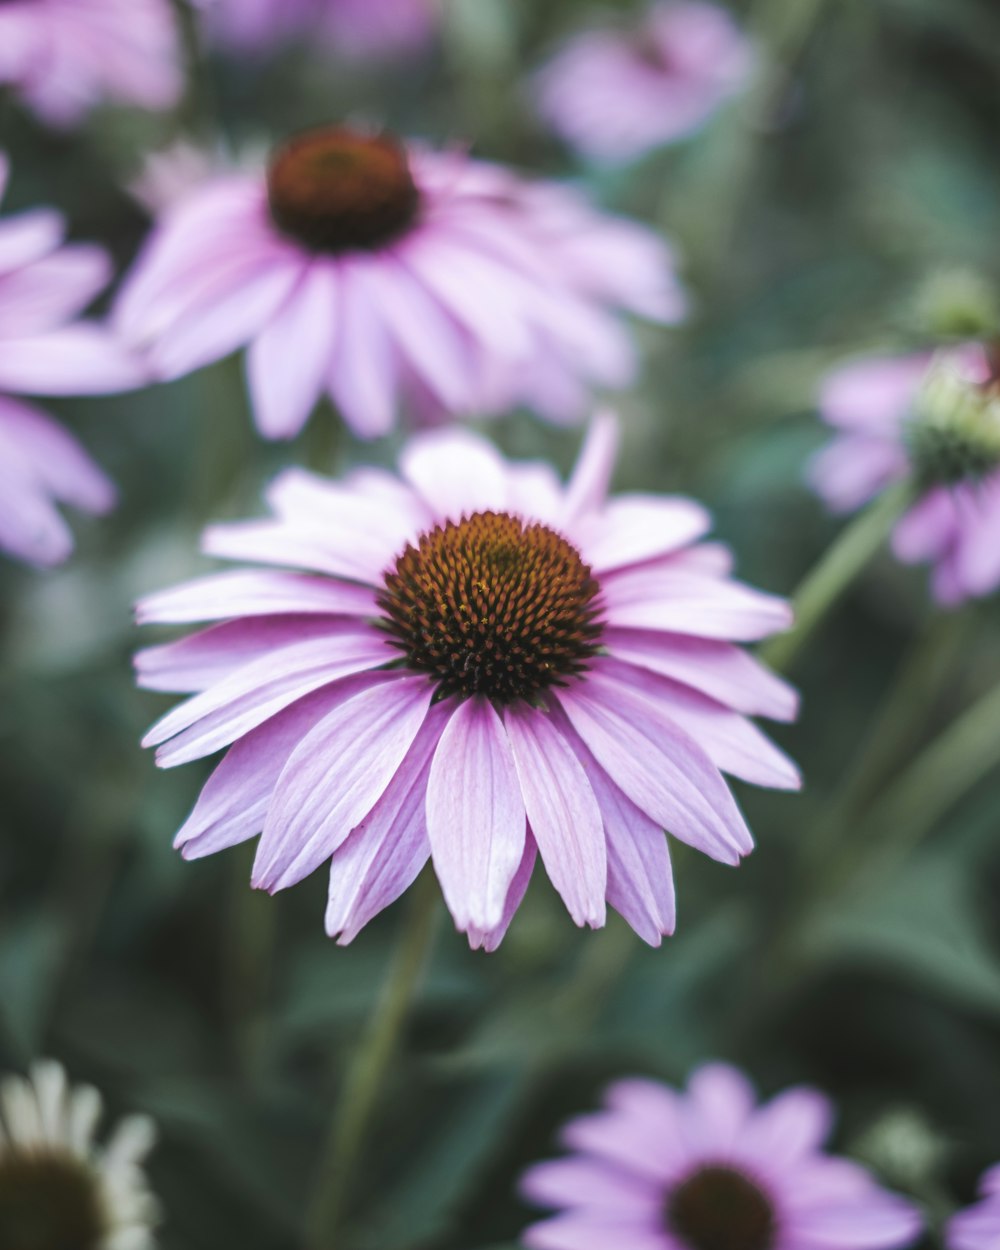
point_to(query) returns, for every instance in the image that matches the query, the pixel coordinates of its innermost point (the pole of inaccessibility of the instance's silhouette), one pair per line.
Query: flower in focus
(616, 95)
(709, 1169)
(58, 1187)
(978, 1227)
(354, 27)
(378, 274)
(44, 285)
(934, 419)
(65, 56)
(475, 665)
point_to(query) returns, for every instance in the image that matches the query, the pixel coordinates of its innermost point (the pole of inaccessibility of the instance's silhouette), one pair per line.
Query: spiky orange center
(493, 605)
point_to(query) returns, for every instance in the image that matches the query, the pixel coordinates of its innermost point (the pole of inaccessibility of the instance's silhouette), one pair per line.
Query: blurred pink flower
(43, 351)
(354, 27)
(709, 1169)
(476, 664)
(978, 1227)
(377, 274)
(954, 525)
(615, 95)
(65, 56)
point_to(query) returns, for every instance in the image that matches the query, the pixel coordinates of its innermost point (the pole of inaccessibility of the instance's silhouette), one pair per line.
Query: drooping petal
(475, 815)
(336, 775)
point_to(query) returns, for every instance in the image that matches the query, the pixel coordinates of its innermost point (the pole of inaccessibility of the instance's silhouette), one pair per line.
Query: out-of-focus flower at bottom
(936, 420)
(978, 1226)
(615, 95)
(709, 1169)
(59, 1188)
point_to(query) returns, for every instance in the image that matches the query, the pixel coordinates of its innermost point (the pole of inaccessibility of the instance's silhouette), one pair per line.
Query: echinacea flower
(58, 1187)
(382, 276)
(475, 664)
(709, 1169)
(65, 56)
(978, 1226)
(353, 27)
(934, 419)
(616, 94)
(44, 350)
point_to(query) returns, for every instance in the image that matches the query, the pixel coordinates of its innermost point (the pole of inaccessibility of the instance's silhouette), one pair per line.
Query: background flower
(876, 406)
(615, 94)
(567, 665)
(354, 27)
(44, 285)
(661, 1170)
(416, 279)
(978, 1227)
(65, 56)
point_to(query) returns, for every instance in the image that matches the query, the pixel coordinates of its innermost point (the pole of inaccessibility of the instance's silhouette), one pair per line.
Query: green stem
(365, 1076)
(942, 774)
(838, 568)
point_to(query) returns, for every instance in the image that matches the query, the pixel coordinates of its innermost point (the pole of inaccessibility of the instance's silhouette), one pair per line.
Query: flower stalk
(365, 1076)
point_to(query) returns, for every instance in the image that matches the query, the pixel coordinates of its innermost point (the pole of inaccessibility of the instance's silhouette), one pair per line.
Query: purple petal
(253, 594)
(681, 602)
(475, 815)
(662, 770)
(630, 529)
(335, 777)
(562, 811)
(588, 485)
(489, 940)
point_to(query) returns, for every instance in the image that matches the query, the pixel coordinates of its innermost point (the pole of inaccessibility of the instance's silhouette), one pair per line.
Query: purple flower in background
(615, 95)
(44, 351)
(476, 664)
(978, 1227)
(65, 56)
(709, 1169)
(935, 418)
(354, 27)
(380, 275)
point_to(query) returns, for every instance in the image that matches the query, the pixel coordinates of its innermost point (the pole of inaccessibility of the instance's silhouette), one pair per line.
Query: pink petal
(57, 461)
(53, 290)
(591, 1185)
(384, 855)
(872, 394)
(77, 360)
(562, 811)
(335, 777)
(718, 669)
(475, 815)
(662, 770)
(28, 237)
(588, 485)
(455, 473)
(233, 802)
(686, 603)
(588, 1232)
(288, 361)
(855, 468)
(364, 372)
(795, 1123)
(630, 529)
(209, 721)
(253, 594)
(489, 940)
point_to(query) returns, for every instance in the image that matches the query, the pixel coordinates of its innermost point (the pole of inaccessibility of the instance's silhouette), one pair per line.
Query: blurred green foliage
(229, 1016)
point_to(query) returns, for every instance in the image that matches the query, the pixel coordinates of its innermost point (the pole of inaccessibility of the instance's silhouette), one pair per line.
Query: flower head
(615, 95)
(978, 1226)
(354, 27)
(381, 274)
(65, 56)
(708, 1169)
(936, 420)
(58, 1188)
(43, 350)
(475, 665)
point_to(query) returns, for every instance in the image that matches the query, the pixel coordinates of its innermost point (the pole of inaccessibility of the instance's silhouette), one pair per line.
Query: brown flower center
(335, 190)
(718, 1208)
(493, 605)
(49, 1201)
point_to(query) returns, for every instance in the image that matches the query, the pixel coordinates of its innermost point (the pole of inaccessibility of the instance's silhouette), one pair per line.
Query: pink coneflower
(935, 419)
(65, 56)
(379, 275)
(43, 350)
(709, 1169)
(354, 27)
(615, 95)
(978, 1227)
(476, 663)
